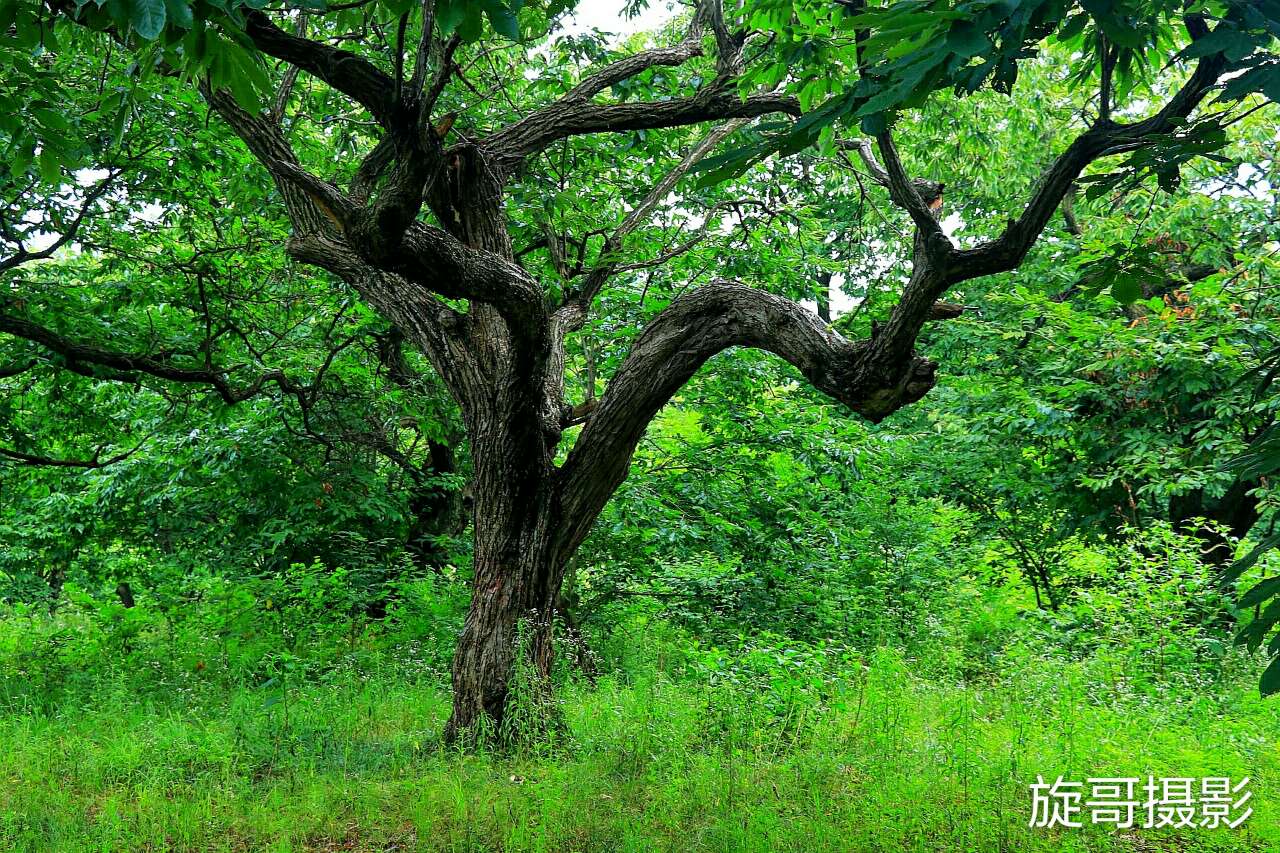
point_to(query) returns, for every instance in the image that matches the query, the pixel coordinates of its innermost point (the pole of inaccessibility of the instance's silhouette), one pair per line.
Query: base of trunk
(502, 689)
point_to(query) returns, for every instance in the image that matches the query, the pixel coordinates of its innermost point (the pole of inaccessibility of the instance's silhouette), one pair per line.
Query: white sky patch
(38, 241)
(89, 177)
(1247, 184)
(608, 16)
(953, 222)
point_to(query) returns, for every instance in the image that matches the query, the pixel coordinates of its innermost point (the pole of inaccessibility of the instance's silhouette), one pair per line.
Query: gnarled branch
(1103, 138)
(352, 75)
(679, 340)
(562, 119)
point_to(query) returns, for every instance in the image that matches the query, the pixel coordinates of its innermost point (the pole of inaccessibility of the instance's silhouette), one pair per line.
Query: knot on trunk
(877, 391)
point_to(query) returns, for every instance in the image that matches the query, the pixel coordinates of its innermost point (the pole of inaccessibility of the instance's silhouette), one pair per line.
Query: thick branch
(574, 118)
(866, 150)
(353, 75)
(371, 169)
(930, 192)
(427, 322)
(679, 341)
(628, 67)
(265, 141)
(320, 215)
(422, 56)
(940, 266)
(425, 255)
(438, 83)
(287, 82)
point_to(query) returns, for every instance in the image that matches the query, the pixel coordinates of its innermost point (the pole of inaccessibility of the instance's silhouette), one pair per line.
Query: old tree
(426, 156)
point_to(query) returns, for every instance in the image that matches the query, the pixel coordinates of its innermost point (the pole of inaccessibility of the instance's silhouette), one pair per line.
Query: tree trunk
(505, 646)
(1233, 515)
(435, 511)
(505, 651)
(513, 408)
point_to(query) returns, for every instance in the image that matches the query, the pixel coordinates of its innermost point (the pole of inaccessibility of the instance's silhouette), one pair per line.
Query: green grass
(890, 761)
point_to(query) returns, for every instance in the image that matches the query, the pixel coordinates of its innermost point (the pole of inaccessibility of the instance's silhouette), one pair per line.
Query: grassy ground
(889, 761)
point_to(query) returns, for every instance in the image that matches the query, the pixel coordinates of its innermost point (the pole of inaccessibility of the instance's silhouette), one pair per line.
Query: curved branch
(1103, 138)
(352, 75)
(939, 266)
(679, 341)
(728, 44)
(630, 66)
(320, 214)
(562, 119)
(266, 142)
(426, 321)
(96, 461)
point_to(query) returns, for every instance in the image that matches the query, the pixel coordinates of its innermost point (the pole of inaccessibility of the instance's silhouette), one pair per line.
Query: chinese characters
(1124, 802)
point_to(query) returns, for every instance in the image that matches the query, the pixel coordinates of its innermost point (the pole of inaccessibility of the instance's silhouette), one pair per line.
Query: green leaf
(502, 19)
(1222, 40)
(119, 121)
(1169, 179)
(147, 17)
(967, 40)
(472, 25)
(50, 165)
(1073, 27)
(52, 120)
(179, 13)
(875, 124)
(1126, 288)
(1122, 35)
(236, 68)
(1260, 593)
(1270, 681)
(718, 176)
(449, 15)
